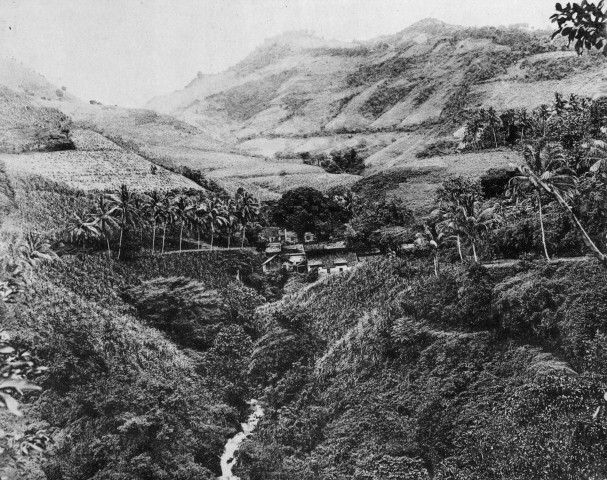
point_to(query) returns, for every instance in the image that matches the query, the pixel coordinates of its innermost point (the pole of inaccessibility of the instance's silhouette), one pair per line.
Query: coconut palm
(180, 209)
(124, 202)
(199, 216)
(81, 229)
(545, 170)
(231, 218)
(470, 223)
(215, 216)
(455, 194)
(140, 205)
(103, 216)
(155, 209)
(431, 238)
(165, 207)
(248, 210)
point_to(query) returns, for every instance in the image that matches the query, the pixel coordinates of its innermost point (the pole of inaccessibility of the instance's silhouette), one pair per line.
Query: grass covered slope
(388, 372)
(96, 170)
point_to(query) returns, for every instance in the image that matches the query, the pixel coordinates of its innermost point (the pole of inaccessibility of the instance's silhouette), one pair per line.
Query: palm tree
(103, 216)
(165, 209)
(199, 216)
(494, 123)
(456, 193)
(125, 206)
(248, 210)
(231, 218)
(181, 208)
(81, 229)
(547, 161)
(470, 223)
(215, 216)
(549, 173)
(431, 238)
(154, 206)
(140, 205)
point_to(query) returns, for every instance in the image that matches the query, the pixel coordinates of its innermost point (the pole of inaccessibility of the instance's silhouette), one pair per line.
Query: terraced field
(95, 170)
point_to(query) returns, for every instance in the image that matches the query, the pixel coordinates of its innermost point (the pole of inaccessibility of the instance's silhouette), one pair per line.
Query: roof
(269, 260)
(328, 260)
(270, 231)
(340, 261)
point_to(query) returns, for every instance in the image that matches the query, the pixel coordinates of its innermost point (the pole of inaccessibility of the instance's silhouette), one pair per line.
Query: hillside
(388, 97)
(389, 373)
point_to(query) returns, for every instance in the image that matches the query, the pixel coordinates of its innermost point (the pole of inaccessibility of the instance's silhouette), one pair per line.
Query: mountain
(298, 86)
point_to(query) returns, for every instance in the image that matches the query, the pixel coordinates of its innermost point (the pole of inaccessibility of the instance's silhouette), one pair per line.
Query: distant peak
(427, 22)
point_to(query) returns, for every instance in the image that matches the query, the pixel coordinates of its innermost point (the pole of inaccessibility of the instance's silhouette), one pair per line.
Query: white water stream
(227, 459)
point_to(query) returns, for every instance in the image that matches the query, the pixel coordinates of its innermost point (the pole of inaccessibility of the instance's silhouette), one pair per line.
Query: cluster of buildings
(284, 253)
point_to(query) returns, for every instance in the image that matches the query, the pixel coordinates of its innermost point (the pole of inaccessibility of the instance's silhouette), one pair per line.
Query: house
(309, 237)
(296, 248)
(277, 235)
(288, 237)
(273, 249)
(270, 234)
(329, 264)
(295, 263)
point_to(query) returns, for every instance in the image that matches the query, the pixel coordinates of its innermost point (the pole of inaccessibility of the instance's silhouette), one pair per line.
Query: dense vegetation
(391, 373)
(419, 364)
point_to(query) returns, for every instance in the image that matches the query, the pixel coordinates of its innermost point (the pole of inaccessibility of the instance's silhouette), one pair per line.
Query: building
(277, 235)
(329, 264)
(272, 263)
(270, 234)
(273, 249)
(309, 237)
(295, 263)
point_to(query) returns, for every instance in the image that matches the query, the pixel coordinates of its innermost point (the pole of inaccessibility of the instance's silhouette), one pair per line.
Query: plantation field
(421, 177)
(101, 170)
(294, 145)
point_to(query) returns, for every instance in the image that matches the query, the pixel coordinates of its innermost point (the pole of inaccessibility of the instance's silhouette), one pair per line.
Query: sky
(127, 51)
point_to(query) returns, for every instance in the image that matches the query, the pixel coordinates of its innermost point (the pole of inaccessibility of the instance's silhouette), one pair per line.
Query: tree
(248, 210)
(155, 208)
(583, 24)
(471, 222)
(81, 229)
(231, 218)
(180, 209)
(124, 204)
(199, 213)
(214, 216)
(454, 195)
(305, 209)
(543, 159)
(103, 216)
(166, 205)
(431, 238)
(558, 181)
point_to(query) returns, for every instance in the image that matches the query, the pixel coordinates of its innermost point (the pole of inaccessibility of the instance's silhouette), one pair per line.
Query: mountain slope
(388, 98)
(296, 85)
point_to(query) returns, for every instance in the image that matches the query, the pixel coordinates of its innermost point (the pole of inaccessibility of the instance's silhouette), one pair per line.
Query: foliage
(407, 381)
(305, 209)
(582, 23)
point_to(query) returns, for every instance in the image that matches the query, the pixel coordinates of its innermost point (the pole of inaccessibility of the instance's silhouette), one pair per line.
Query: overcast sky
(127, 51)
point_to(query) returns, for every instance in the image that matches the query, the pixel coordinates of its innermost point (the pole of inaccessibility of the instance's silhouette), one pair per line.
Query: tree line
(117, 214)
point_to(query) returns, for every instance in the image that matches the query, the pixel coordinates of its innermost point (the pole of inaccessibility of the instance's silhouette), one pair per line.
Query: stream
(233, 444)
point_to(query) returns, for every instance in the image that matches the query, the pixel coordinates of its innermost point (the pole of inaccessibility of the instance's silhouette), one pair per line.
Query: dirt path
(554, 261)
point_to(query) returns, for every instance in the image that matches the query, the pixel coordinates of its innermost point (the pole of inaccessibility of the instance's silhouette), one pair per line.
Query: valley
(155, 279)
